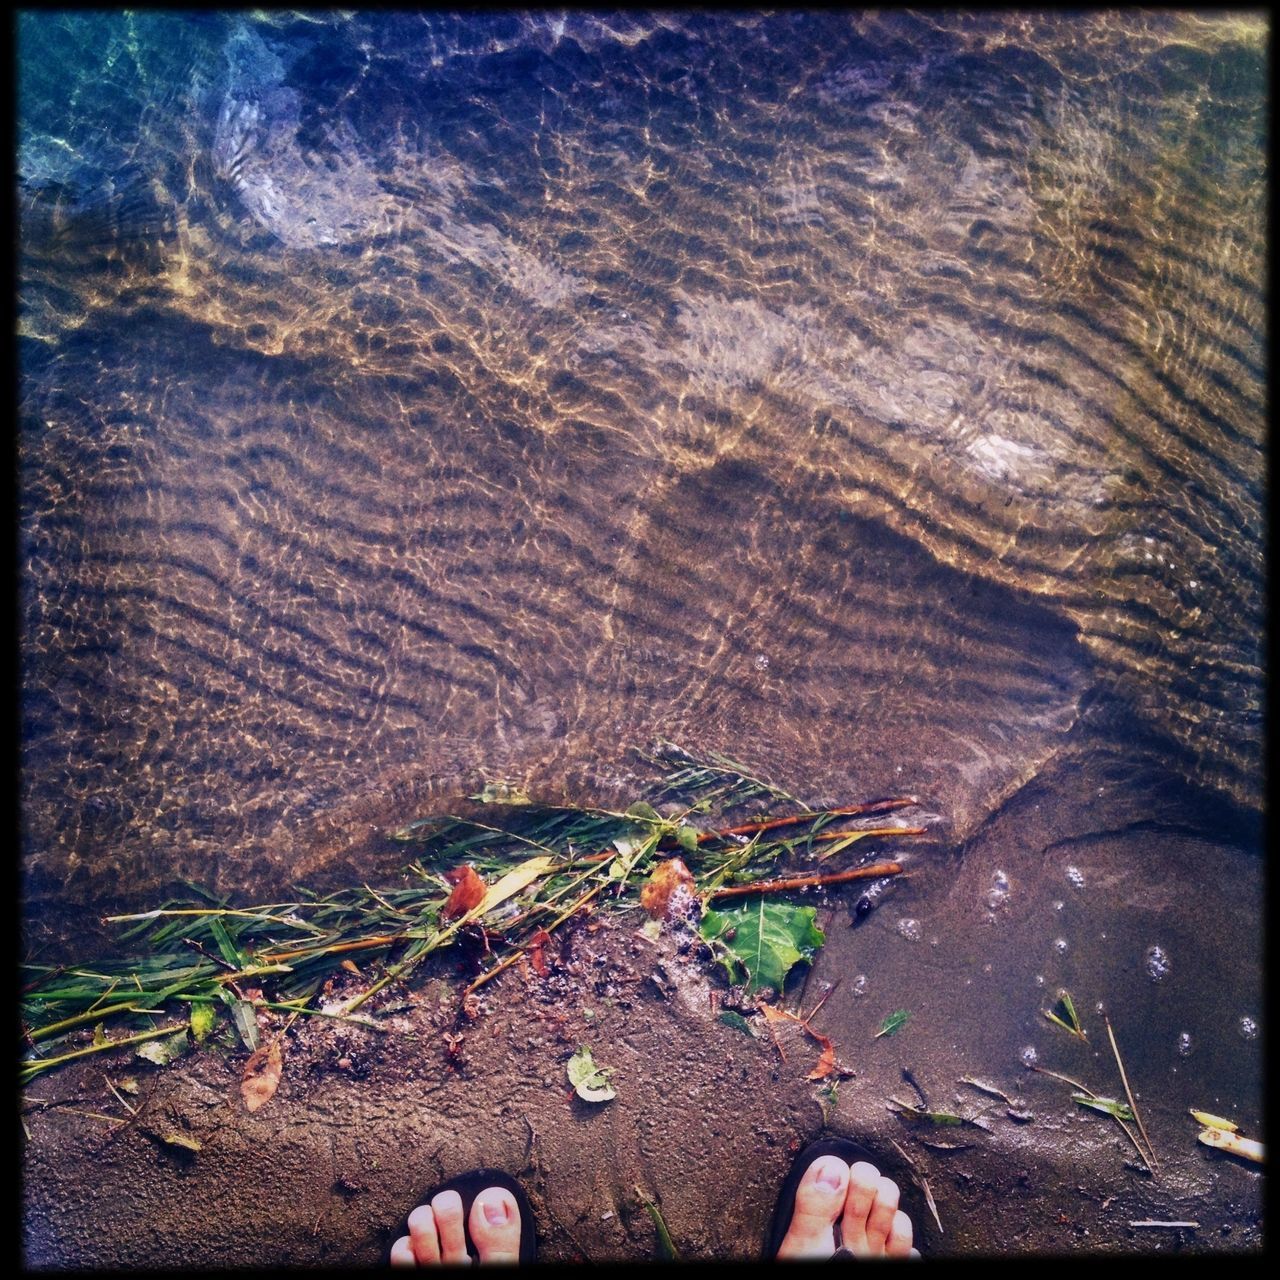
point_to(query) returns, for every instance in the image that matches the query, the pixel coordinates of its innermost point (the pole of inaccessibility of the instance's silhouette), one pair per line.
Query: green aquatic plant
(507, 876)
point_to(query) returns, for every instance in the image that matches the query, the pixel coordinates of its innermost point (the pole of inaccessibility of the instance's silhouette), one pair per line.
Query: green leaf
(688, 838)
(203, 1016)
(933, 1117)
(590, 1082)
(736, 1020)
(892, 1023)
(163, 1052)
(641, 809)
(1108, 1106)
(764, 941)
(1063, 1014)
(244, 1016)
(225, 945)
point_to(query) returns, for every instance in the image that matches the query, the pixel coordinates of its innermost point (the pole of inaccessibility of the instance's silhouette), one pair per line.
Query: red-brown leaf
(826, 1063)
(261, 1075)
(540, 940)
(826, 1059)
(468, 892)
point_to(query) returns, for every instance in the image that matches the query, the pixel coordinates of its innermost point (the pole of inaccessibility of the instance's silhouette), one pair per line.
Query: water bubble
(1039, 979)
(1060, 946)
(999, 891)
(1249, 1028)
(1029, 1056)
(762, 662)
(1157, 963)
(910, 929)
(1059, 905)
(1184, 1045)
(1076, 877)
(860, 985)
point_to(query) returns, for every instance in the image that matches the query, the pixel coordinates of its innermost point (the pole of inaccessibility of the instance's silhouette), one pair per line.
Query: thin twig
(515, 955)
(367, 1023)
(1057, 1075)
(849, 811)
(1133, 1106)
(119, 1097)
(875, 871)
(1085, 1089)
(360, 944)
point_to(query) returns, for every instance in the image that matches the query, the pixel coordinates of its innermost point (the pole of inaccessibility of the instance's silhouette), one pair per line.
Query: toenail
(495, 1212)
(831, 1175)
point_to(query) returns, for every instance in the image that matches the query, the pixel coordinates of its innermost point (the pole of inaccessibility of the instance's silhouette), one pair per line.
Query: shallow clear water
(412, 399)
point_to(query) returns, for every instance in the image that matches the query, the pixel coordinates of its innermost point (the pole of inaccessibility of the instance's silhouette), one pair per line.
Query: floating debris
(506, 878)
(762, 943)
(892, 1023)
(1233, 1144)
(1214, 1122)
(1108, 1106)
(590, 1083)
(1224, 1135)
(1149, 1155)
(932, 1117)
(923, 1181)
(1063, 1014)
(983, 1087)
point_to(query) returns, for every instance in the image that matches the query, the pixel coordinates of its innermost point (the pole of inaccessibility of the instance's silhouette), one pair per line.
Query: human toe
(424, 1241)
(869, 1208)
(451, 1224)
(898, 1245)
(495, 1225)
(820, 1196)
(881, 1218)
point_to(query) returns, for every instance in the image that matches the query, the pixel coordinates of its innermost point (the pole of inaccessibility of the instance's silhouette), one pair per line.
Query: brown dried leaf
(261, 1075)
(826, 1063)
(536, 952)
(468, 892)
(667, 877)
(826, 1060)
(350, 967)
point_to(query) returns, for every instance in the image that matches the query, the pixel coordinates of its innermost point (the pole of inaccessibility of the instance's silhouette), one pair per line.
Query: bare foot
(856, 1199)
(437, 1236)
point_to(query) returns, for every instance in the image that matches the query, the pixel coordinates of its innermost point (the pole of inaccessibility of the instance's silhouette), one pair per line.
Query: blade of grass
(669, 1253)
(32, 1067)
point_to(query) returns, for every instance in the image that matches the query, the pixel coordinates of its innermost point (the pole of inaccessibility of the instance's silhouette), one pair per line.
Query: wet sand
(706, 1119)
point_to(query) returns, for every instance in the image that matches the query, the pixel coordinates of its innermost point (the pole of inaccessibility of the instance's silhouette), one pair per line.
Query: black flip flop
(470, 1185)
(848, 1151)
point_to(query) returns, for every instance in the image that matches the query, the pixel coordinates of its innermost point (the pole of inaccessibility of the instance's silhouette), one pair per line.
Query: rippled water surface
(410, 399)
